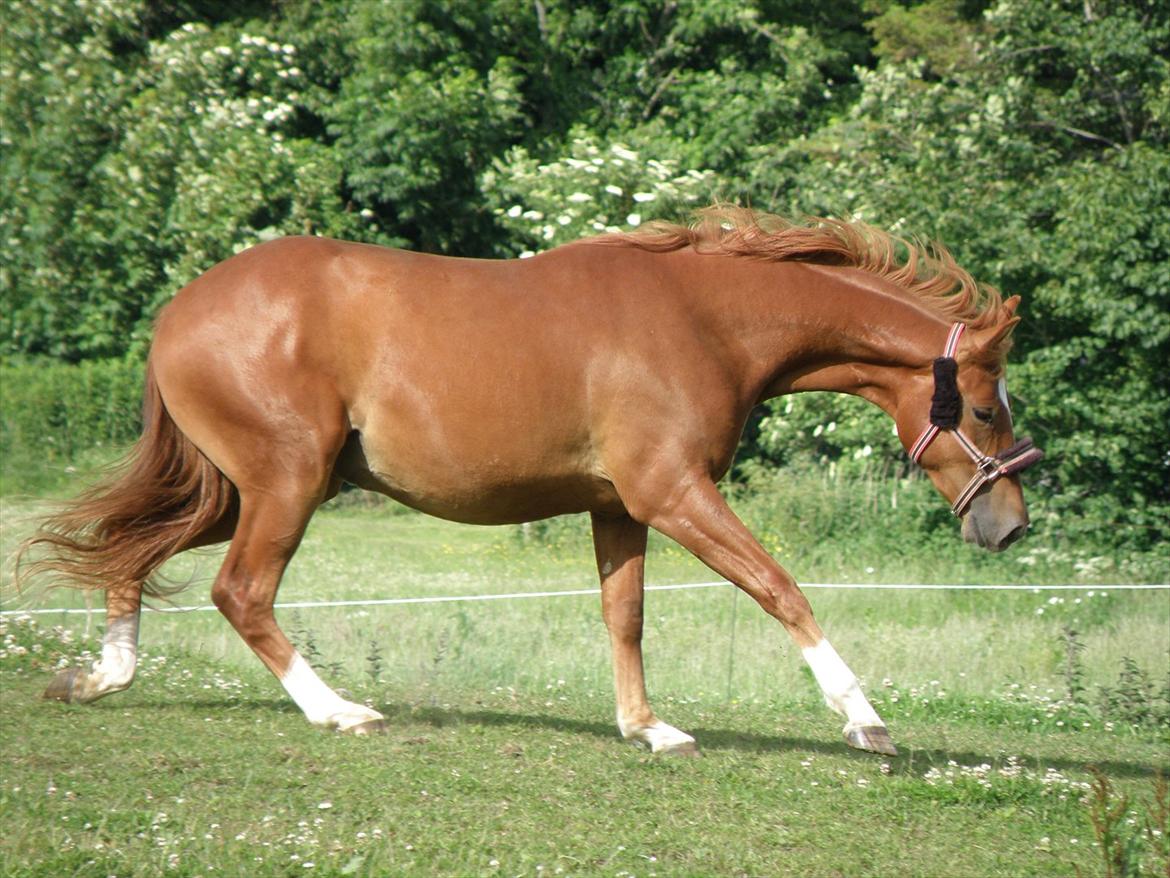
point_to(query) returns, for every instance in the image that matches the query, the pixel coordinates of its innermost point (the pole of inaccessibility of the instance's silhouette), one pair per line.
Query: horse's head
(957, 424)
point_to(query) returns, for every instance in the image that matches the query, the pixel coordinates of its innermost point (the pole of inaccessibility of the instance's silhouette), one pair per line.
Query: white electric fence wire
(449, 599)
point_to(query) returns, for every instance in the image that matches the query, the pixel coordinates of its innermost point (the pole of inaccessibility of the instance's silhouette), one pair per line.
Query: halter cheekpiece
(946, 409)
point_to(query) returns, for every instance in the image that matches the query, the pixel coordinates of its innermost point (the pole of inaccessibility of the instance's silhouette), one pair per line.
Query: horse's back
(449, 380)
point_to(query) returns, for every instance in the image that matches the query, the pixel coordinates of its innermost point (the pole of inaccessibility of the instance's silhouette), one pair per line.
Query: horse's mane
(926, 270)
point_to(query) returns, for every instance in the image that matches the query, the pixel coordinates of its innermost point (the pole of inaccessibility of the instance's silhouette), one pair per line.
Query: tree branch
(1076, 132)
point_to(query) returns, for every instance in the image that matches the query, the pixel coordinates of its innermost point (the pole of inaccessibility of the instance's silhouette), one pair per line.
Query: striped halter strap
(946, 409)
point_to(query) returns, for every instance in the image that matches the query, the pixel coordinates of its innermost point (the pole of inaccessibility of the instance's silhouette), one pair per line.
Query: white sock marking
(321, 705)
(115, 669)
(842, 691)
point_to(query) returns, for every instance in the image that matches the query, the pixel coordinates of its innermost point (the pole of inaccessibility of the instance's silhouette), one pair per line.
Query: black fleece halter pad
(946, 405)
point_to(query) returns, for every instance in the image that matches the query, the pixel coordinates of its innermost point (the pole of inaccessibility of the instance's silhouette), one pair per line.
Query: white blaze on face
(1001, 386)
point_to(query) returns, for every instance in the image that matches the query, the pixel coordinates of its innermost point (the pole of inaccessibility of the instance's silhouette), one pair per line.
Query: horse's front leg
(114, 671)
(620, 545)
(699, 519)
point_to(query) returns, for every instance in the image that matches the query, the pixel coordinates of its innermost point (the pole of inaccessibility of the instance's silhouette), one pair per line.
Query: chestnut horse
(613, 376)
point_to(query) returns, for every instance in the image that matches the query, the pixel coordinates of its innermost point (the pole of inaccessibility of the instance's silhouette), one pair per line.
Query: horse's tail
(162, 498)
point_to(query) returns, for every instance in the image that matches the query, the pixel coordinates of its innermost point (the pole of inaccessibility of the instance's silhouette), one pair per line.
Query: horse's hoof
(369, 727)
(60, 688)
(682, 748)
(875, 739)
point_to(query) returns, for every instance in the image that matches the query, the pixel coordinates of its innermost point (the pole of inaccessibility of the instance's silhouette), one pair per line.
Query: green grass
(502, 746)
(199, 767)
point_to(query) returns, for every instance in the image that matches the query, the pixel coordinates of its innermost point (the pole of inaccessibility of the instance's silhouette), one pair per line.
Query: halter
(946, 407)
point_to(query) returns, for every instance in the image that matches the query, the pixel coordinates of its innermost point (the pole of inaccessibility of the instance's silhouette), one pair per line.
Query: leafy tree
(205, 168)
(430, 102)
(64, 81)
(142, 142)
(1095, 379)
(1040, 156)
(193, 163)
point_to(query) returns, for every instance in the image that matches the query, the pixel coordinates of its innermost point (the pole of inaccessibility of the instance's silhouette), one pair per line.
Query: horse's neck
(840, 330)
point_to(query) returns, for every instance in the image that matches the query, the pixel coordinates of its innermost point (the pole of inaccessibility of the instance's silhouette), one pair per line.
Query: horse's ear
(989, 344)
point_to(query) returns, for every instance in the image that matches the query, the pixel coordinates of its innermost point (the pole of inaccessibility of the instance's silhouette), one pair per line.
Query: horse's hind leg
(269, 530)
(620, 545)
(114, 671)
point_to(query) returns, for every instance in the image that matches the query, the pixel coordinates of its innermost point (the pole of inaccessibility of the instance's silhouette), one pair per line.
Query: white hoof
(345, 716)
(662, 738)
(358, 720)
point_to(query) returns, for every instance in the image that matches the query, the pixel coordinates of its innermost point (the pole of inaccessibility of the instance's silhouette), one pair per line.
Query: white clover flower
(614, 190)
(515, 210)
(578, 197)
(634, 219)
(623, 153)
(644, 196)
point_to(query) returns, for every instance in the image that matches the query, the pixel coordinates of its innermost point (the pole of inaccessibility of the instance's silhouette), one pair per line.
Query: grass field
(503, 759)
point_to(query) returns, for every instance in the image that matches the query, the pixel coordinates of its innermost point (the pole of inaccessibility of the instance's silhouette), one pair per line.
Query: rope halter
(946, 408)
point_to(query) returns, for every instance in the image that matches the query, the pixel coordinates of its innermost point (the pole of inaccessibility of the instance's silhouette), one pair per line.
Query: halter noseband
(946, 408)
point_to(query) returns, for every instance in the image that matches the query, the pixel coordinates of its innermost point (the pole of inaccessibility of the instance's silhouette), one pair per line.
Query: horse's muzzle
(983, 527)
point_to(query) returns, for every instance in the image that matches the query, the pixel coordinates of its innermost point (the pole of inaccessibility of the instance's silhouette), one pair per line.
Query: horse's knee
(783, 599)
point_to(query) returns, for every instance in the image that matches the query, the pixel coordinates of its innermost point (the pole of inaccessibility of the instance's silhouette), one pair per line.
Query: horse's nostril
(1013, 535)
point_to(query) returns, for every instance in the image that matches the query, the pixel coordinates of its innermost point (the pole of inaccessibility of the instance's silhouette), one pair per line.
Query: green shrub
(52, 414)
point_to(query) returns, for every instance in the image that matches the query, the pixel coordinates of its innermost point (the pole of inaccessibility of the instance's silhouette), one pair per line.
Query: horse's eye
(984, 415)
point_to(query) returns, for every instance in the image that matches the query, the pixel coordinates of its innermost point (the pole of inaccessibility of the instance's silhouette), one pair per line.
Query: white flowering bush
(830, 428)
(27, 646)
(180, 150)
(597, 187)
(208, 164)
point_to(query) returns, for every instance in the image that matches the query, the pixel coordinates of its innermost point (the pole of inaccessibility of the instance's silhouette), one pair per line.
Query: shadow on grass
(910, 761)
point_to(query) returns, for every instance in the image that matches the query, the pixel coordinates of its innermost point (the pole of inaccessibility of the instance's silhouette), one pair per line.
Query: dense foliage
(142, 142)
